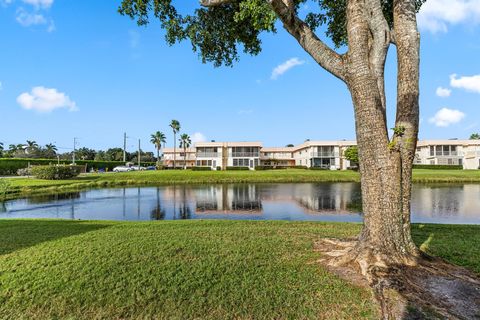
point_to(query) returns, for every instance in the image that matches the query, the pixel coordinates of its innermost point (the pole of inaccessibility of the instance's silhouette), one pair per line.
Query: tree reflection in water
(158, 213)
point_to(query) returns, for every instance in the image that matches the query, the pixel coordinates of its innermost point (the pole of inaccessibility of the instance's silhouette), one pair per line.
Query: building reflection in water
(446, 202)
(226, 199)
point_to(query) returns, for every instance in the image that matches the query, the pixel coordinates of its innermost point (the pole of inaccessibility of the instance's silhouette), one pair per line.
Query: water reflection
(322, 201)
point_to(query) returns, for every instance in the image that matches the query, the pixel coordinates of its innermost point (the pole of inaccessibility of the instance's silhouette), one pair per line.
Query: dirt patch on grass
(429, 289)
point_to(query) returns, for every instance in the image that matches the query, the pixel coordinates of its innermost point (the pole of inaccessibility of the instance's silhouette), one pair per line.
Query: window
(432, 151)
(450, 161)
(438, 150)
(241, 162)
(460, 162)
(446, 150)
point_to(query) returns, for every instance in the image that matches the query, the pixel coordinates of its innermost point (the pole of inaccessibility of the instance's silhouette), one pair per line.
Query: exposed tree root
(405, 288)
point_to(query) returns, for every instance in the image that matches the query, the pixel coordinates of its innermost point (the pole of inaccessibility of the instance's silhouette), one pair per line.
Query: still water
(306, 201)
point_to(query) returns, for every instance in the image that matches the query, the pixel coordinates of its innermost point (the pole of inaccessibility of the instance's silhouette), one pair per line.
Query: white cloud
(44, 4)
(284, 67)
(436, 15)
(43, 99)
(471, 83)
(198, 137)
(445, 117)
(27, 19)
(443, 92)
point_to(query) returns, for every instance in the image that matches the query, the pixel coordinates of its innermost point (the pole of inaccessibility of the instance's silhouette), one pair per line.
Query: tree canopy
(218, 32)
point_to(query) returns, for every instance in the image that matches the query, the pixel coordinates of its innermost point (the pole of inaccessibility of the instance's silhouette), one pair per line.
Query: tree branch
(213, 3)
(318, 50)
(381, 40)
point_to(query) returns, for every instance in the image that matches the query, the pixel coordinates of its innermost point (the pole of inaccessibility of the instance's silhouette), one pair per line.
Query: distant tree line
(32, 150)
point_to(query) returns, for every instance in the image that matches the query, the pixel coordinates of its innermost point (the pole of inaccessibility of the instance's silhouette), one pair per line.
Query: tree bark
(385, 165)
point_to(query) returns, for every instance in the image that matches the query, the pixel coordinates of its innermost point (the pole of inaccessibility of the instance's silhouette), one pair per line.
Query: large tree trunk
(385, 164)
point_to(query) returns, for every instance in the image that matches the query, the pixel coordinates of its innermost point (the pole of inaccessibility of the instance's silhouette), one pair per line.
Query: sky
(78, 69)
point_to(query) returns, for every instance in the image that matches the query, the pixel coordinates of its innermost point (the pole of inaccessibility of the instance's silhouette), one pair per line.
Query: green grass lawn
(189, 269)
(24, 186)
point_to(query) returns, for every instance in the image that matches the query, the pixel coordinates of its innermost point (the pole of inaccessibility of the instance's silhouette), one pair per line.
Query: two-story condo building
(277, 157)
(465, 153)
(318, 154)
(220, 155)
(323, 154)
(180, 157)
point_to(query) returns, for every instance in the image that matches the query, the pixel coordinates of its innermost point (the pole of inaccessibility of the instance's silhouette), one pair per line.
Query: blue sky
(79, 69)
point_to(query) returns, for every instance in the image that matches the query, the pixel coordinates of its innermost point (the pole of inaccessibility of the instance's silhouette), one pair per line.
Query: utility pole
(125, 147)
(138, 154)
(74, 149)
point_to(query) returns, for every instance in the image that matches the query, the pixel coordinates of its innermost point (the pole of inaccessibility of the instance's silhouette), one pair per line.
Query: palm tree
(175, 125)
(157, 139)
(1, 149)
(12, 147)
(475, 136)
(31, 145)
(51, 148)
(185, 143)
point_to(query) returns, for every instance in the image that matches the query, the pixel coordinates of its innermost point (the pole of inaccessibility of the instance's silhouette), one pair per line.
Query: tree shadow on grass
(19, 234)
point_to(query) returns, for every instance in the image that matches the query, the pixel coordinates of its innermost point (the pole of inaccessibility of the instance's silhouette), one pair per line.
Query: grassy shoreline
(190, 269)
(29, 186)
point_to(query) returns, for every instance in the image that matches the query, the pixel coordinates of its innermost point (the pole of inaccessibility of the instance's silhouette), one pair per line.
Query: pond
(306, 201)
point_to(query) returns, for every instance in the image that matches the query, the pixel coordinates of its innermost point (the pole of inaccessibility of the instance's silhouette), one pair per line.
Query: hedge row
(238, 168)
(10, 166)
(201, 169)
(56, 172)
(260, 168)
(437, 166)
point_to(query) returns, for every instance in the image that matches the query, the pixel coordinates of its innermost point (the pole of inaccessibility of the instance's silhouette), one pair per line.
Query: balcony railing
(181, 158)
(447, 154)
(244, 154)
(207, 154)
(324, 154)
(276, 156)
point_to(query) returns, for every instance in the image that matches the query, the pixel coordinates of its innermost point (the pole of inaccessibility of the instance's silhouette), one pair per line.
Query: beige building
(180, 157)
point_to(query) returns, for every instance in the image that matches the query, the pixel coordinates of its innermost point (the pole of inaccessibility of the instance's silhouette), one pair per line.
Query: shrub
(201, 169)
(238, 168)
(318, 168)
(298, 167)
(56, 172)
(24, 172)
(219, 168)
(5, 186)
(270, 168)
(437, 166)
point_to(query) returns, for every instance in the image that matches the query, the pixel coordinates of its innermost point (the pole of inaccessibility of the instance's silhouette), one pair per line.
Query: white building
(465, 153)
(313, 154)
(220, 155)
(323, 154)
